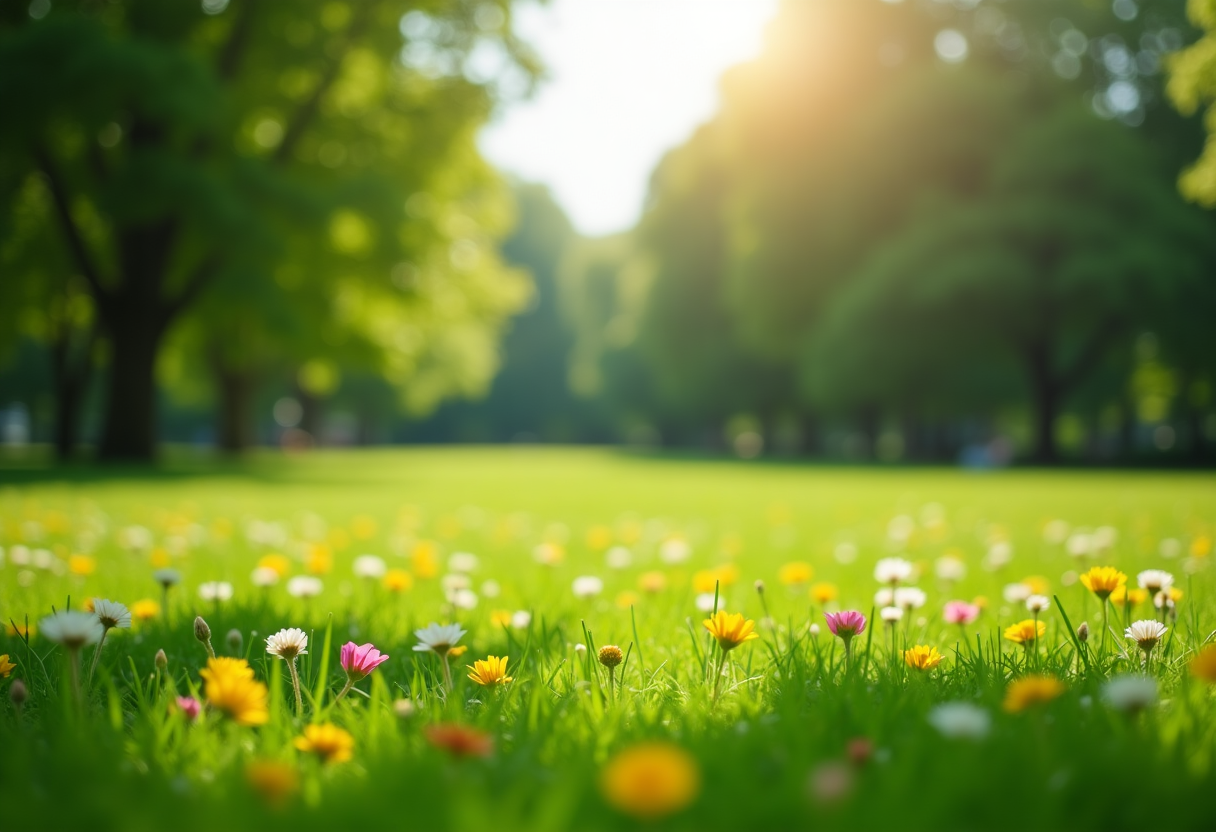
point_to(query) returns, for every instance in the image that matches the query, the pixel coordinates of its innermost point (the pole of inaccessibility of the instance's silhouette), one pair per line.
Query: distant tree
(278, 154)
(1192, 86)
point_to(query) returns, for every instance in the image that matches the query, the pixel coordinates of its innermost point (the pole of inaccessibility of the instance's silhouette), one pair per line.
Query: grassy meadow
(595, 547)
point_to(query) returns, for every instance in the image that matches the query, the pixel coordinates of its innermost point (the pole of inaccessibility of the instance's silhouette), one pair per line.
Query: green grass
(788, 711)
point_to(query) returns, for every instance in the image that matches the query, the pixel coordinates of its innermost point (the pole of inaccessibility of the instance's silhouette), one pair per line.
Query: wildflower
(500, 618)
(1103, 580)
(189, 707)
(1030, 691)
(813, 630)
(358, 660)
(521, 619)
(652, 582)
(891, 615)
(6, 667)
(1083, 632)
(909, 597)
(610, 656)
(463, 562)
(230, 687)
(795, 573)
(17, 694)
(329, 742)
(73, 629)
(1146, 634)
(1167, 598)
(950, 568)
(831, 782)
(274, 781)
(203, 633)
(404, 708)
(111, 614)
(705, 601)
(960, 612)
(459, 741)
(145, 610)
(1016, 593)
(618, 557)
(824, 593)
(234, 640)
(922, 657)
(884, 597)
(82, 565)
(892, 571)
(625, 600)
(369, 566)
(1122, 596)
(1038, 603)
(161, 660)
(587, 586)
(215, 591)
(961, 720)
(438, 639)
(264, 576)
(287, 644)
(650, 780)
(1153, 581)
(1026, 632)
(276, 563)
(1203, 666)
(845, 625)
(730, 630)
(304, 586)
(398, 580)
(22, 631)
(490, 672)
(674, 550)
(1130, 693)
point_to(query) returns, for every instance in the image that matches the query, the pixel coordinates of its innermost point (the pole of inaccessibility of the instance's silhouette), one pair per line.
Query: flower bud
(18, 693)
(610, 656)
(162, 661)
(235, 641)
(760, 587)
(1083, 632)
(815, 630)
(201, 631)
(580, 648)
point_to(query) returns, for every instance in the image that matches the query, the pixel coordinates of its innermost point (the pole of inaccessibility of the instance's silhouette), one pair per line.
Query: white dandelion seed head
(304, 586)
(999, 554)
(287, 643)
(1080, 544)
(705, 602)
(454, 582)
(1130, 693)
(111, 613)
(814, 630)
(491, 589)
(521, 619)
(167, 577)
(893, 570)
(885, 597)
(215, 591)
(961, 720)
(369, 566)
(463, 599)
(1162, 600)
(72, 628)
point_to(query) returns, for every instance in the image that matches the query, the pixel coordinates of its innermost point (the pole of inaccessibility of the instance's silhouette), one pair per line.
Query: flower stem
(345, 689)
(447, 672)
(718, 678)
(97, 655)
(295, 684)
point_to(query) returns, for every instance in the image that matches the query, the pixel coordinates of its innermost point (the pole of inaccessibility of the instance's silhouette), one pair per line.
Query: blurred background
(967, 231)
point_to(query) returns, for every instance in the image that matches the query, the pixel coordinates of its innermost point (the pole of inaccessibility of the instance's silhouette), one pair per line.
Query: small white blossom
(215, 591)
(961, 720)
(675, 550)
(618, 557)
(1016, 593)
(1130, 693)
(892, 570)
(951, 568)
(1037, 603)
(111, 613)
(304, 586)
(438, 638)
(587, 586)
(369, 566)
(72, 628)
(264, 576)
(1155, 580)
(891, 614)
(705, 602)
(463, 562)
(287, 643)
(909, 597)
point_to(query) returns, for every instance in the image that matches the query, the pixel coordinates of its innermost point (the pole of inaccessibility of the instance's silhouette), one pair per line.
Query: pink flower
(846, 624)
(358, 660)
(960, 612)
(189, 706)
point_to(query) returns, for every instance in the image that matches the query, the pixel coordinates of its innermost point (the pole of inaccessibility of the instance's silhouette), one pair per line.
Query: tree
(1192, 85)
(250, 146)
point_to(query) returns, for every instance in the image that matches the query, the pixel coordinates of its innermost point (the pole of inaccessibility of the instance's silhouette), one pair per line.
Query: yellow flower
(795, 573)
(82, 565)
(1025, 632)
(599, 538)
(1203, 666)
(320, 560)
(425, 559)
(6, 667)
(730, 629)
(1037, 583)
(1201, 546)
(707, 580)
(652, 582)
(1123, 596)
(398, 580)
(145, 609)
(922, 657)
(501, 618)
(651, 780)
(273, 780)
(363, 527)
(1103, 580)
(25, 631)
(230, 687)
(278, 563)
(1030, 691)
(329, 742)
(823, 593)
(458, 650)
(627, 599)
(490, 671)
(159, 557)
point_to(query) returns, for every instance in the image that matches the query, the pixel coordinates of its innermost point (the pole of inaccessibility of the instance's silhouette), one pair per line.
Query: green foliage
(1192, 87)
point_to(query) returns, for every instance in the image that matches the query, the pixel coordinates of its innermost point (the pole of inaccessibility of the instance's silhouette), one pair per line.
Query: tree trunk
(69, 394)
(1046, 404)
(234, 389)
(129, 432)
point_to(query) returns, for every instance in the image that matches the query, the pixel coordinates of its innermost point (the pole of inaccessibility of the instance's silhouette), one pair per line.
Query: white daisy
(438, 638)
(909, 597)
(491, 589)
(961, 720)
(891, 614)
(521, 619)
(167, 577)
(1130, 693)
(111, 613)
(304, 586)
(264, 576)
(1155, 580)
(463, 562)
(1016, 593)
(72, 628)
(1037, 603)
(587, 586)
(892, 570)
(1146, 633)
(999, 554)
(215, 591)
(287, 643)
(369, 566)
(463, 599)
(675, 550)
(705, 601)
(885, 597)
(951, 568)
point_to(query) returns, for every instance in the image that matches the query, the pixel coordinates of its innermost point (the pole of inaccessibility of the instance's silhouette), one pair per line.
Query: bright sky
(629, 79)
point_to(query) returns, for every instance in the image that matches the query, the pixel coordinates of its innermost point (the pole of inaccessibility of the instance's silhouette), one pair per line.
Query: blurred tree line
(915, 230)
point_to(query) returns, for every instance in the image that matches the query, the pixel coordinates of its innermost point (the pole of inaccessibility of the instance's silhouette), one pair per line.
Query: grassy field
(786, 734)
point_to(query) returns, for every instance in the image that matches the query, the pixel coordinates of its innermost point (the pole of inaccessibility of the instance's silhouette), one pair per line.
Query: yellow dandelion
(398, 580)
(1103, 580)
(705, 580)
(1026, 632)
(458, 650)
(338, 538)
(25, 631)
(277, 563)
(501, 618)
(1201, 546)
(1203, 666)
(730, 629)
(795, 573)
(824, 593)
(651, 780)
(6, 667)
(145, 609)
(599, 538)
(1122, 596)
(1030, 691)
(627, 599)
(159, 557)
(424, 559)
(922, 657)
(329, 742)
(320, 560)
(229, 686)
(1038, 584)
(82, 565)
(490, 672)
(273, 780)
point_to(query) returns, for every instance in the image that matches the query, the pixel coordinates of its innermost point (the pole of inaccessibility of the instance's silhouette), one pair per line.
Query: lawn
(537, 551)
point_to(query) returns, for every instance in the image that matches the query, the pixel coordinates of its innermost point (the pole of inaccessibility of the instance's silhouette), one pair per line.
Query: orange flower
(329, 742)
(1203, 666)
(651, 780)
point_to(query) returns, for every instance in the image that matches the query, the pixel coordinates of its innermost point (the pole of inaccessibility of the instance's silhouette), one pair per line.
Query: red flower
(460, 741)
